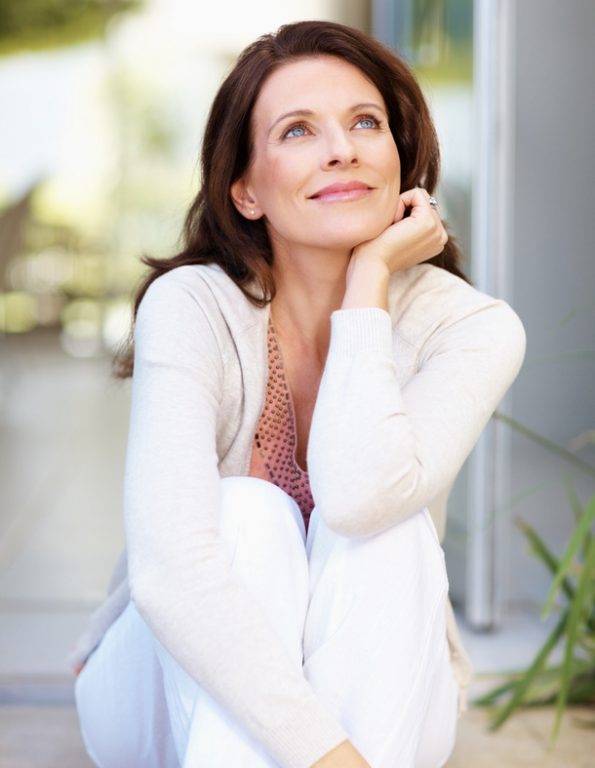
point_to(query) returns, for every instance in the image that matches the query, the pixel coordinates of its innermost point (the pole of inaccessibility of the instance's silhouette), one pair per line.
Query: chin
(351, 236)
(336, 233)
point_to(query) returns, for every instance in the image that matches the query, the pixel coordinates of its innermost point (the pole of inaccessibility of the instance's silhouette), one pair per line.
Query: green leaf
(540, 549)
(545, 687)
(577, 508)
(574, 618)
(573, 499)
(536, 667)
(582, 690)
(575, 542)
(490, 697)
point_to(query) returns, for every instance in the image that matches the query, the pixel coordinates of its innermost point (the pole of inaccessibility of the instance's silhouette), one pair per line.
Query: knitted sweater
(403, 398)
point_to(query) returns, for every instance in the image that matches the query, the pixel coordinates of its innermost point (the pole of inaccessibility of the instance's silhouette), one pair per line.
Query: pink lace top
(275, 440)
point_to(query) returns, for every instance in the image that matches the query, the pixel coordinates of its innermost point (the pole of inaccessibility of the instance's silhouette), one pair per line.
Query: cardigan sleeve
(379, 452)
(180, 575)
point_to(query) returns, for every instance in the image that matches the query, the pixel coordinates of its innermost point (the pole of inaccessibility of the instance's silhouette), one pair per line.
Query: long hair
(214, 231)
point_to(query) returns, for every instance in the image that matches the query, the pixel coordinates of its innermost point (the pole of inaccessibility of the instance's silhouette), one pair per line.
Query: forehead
(313, 83)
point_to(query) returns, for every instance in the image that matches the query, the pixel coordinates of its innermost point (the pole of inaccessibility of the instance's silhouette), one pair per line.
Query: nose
(339, 150)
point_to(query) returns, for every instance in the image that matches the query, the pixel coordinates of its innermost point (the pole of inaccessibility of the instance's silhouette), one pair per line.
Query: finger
(416, 198)
(400, 212)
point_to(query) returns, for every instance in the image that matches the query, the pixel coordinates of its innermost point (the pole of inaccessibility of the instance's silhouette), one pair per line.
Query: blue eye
(368, 122)
(295, 132)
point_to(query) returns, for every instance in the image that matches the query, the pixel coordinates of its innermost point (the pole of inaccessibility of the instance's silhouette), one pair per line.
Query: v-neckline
(292, 415)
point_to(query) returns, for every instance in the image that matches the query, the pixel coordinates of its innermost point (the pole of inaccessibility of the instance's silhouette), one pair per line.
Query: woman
(310, 374)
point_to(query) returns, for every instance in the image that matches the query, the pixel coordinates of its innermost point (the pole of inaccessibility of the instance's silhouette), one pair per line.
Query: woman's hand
(343, 756)
(407, 241)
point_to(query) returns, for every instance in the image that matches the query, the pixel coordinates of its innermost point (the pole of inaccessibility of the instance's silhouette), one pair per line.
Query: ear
(244, 200)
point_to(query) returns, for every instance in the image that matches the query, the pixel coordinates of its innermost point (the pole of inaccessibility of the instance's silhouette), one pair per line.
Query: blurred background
(102, 106)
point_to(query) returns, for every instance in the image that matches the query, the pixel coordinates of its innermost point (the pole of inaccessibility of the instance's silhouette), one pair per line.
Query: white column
(491, 245)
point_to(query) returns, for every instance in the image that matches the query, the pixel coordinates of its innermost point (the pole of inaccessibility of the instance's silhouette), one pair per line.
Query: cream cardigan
(403, 398)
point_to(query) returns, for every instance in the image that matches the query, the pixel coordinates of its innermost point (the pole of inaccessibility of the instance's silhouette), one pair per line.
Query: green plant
(572, 681)
(47, 24)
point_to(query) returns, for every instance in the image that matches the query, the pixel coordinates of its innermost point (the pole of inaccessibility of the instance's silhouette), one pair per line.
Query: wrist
(366, 282)
(345, 755)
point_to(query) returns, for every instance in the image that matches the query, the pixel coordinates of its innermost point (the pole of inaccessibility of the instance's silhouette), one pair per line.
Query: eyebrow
(309, 113)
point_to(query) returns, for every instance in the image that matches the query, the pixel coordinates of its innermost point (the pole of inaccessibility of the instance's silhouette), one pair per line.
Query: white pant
(366, 616)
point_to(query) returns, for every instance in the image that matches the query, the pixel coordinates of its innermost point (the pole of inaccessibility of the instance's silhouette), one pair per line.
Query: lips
(342, 190)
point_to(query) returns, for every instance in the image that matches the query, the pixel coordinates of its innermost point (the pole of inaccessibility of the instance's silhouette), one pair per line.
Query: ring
(433, 202)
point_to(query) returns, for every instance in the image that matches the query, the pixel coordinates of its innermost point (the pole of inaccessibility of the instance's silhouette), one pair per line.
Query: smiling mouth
(342, 192)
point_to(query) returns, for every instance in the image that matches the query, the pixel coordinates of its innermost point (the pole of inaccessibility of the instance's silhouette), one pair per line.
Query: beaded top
(275, 440)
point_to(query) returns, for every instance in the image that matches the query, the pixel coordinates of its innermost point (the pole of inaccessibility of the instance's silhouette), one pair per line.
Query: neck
(310, 286)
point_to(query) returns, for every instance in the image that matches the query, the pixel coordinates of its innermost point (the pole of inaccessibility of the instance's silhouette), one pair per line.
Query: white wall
(552, 270)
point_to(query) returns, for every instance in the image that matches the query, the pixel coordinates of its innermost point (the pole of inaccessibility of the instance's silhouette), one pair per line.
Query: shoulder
(196, 312)
(199, 293)
(189, 283)
(432, 309)
(179, 318)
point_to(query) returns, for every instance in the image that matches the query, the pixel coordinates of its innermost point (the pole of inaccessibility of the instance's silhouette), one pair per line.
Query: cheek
(389, 159)
(281, 182)
(393, 162)
(288, 175)
(274, 173)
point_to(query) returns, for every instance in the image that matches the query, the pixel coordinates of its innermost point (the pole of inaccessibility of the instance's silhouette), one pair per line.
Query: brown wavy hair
(214, 231)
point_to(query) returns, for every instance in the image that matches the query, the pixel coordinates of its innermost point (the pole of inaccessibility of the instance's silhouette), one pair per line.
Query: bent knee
(265, 506)
(418, 533)
(411, 546)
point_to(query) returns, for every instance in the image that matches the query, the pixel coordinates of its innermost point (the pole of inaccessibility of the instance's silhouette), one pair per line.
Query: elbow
(521, 344)
(144, 595)
(347, 521)
(512, 344)
(364, 509)
(140, 598)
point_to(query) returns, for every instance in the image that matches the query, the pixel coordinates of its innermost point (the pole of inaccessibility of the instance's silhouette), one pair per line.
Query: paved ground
(40, 737)
(523, 742)
(63, 425)
(47, 737)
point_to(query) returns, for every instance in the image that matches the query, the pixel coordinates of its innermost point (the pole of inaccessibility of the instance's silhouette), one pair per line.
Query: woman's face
(325, 170)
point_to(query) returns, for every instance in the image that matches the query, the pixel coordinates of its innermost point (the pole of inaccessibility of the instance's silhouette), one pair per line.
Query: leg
(375, 639)
(138, 708)
(121, 702)
(265, 531)
(438, 736)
